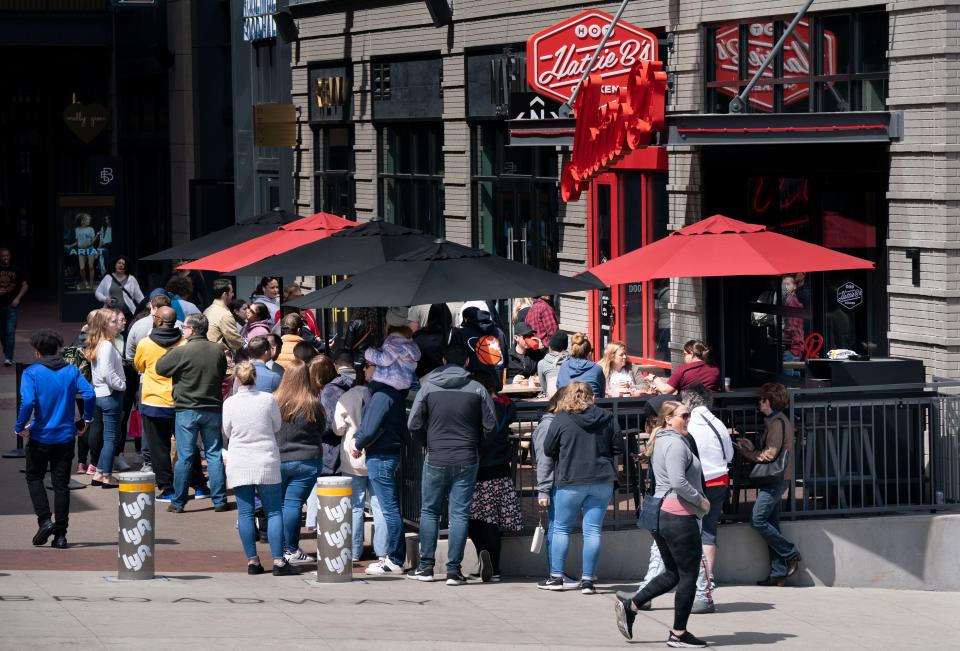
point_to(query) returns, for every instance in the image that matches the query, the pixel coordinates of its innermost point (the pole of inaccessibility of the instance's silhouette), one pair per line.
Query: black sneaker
(456, 578)
(43, 533)
(254, 569)
(486, 566)
(421, 574)
(226, 506)
(685, 641)
(586, 587)
(174, 509)
(625, 617)
(59, 541)
(793, 563)
(775, 581)
(552, 583)
(286, 570)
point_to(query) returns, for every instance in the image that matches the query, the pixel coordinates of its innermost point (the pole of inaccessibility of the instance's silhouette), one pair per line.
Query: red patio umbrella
(721, 246)
(287, 237)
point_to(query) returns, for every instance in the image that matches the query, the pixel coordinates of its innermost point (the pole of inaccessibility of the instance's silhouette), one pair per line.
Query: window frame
(814, 79)
(322, 172)
(433, 180)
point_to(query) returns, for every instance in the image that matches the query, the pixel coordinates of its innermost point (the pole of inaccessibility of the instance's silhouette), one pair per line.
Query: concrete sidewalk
(43, 610)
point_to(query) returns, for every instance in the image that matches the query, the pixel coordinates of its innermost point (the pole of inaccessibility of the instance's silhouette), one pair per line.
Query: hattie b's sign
(558, 56)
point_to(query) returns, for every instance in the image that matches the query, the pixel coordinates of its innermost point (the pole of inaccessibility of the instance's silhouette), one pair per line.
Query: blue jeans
(270, 501)
(360, 487)
(8, 330)
(766, 520)
(571, 501)
(381, 471)
(190, 423)
(111, 412)
(457, 484)
(297, 479)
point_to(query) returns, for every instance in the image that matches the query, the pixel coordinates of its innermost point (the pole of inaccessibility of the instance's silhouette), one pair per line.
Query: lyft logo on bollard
(135, 561)
(338, 512)
(135, 536)
(135, 509)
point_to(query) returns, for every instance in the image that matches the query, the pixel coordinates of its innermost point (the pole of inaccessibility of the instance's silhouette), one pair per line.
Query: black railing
(860, 450)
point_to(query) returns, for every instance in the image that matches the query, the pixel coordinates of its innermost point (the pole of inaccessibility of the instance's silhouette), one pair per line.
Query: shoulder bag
(766, 473)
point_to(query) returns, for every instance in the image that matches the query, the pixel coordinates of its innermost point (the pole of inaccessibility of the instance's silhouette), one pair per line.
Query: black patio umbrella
(349, 251)
(438, 273)
(226, 237)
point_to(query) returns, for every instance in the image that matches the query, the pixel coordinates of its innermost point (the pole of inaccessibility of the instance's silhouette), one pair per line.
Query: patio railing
(861, 450)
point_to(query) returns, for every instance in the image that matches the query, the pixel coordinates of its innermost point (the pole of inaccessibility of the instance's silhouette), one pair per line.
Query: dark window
(411, 176)
(334, 188)
(515, 198)
(831, 62)
(381, 80)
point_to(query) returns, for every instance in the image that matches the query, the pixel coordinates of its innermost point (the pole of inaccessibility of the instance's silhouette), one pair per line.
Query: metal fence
(861, 450)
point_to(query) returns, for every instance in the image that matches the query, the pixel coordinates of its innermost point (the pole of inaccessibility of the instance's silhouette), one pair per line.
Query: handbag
(770, 472)
(539, 534)
(649, 517)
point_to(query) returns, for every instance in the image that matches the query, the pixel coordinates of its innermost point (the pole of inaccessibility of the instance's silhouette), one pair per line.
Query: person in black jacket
(456, 415)
(584, 440)
(495, 505)
(485, 342)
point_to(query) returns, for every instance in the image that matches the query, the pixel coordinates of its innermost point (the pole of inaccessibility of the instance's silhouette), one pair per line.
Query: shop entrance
(824, 194)
(627, 209)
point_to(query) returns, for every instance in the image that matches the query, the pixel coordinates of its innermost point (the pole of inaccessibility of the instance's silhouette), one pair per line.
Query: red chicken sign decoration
(608, 130)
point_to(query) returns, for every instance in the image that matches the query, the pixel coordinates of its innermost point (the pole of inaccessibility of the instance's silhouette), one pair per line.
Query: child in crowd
(396, 360)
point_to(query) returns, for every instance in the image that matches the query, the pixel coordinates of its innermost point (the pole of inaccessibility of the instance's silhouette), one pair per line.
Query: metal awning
(702, 129)
(784, 128)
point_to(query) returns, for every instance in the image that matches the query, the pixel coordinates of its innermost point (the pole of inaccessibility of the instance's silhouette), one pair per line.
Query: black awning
(784, 128)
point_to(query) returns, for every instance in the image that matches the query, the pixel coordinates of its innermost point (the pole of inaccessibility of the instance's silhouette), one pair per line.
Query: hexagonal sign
(557, 56)
(849, 295)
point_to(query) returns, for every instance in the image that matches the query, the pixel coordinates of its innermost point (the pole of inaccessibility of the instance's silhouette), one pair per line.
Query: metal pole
(739, 103)
(334, 530)
(567, 107)
(135, 557)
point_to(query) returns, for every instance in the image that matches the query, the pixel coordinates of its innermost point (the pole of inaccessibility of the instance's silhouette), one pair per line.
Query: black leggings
(679, 542)
(486, 536)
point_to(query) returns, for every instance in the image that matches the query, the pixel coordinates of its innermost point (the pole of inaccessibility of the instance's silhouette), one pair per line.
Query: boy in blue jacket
(48, 391)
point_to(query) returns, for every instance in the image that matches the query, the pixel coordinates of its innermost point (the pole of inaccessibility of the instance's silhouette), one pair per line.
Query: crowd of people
(254, 393)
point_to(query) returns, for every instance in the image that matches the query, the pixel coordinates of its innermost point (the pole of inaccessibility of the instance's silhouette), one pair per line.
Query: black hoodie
(165, 337)
(584, 445)
(478, 325)
(52, 362)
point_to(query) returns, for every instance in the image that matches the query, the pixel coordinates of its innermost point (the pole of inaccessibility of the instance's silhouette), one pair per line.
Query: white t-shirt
(619, 381)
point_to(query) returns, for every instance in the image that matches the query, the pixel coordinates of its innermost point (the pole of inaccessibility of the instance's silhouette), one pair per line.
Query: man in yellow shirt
(156, 400)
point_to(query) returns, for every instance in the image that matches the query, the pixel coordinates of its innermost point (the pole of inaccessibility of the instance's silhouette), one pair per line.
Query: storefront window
(333, 183)
(834, 62)
(515, 198)
(411, 176)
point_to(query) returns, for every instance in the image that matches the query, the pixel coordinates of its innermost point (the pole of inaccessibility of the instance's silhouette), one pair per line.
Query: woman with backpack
(584, 441)
(678, 478)
(119, 289)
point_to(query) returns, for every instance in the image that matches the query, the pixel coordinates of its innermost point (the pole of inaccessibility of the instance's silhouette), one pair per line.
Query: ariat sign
(558, 56)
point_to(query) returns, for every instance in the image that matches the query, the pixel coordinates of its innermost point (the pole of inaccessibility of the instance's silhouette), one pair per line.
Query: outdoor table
(521, 390)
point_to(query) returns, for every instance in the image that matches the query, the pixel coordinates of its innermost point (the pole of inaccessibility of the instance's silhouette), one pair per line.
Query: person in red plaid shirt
(542, 319)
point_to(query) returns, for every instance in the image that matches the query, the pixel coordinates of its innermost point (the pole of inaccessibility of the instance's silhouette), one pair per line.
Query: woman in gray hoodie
(679, 483)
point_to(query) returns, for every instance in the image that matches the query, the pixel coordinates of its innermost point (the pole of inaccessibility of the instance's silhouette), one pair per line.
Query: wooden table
(520, 390)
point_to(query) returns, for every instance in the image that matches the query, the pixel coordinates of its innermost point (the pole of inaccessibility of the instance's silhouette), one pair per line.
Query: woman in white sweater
(346, 420)
(119, 289)
(109, 383)
(251, 420)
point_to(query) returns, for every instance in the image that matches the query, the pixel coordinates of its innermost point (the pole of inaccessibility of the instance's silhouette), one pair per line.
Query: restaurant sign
(849, 295)
(558, 56)
(760, 40)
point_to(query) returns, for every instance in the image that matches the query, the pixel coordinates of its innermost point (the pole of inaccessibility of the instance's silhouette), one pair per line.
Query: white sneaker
(146, 468)
(299, 557)
(119, 463)
(384, 567)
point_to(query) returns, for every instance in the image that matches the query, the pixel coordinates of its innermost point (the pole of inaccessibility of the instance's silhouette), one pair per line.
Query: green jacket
(197, 369)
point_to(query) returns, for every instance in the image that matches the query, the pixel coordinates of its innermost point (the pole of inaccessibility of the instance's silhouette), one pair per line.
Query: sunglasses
(685, 416)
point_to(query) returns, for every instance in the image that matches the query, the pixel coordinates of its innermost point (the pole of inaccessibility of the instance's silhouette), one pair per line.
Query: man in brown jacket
(223, 327)
(777, 437)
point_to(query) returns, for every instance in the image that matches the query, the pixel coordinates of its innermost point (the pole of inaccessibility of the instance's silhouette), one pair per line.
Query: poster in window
(87, 237)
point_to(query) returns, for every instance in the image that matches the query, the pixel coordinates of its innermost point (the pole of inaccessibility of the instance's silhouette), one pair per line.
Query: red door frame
(650, 160)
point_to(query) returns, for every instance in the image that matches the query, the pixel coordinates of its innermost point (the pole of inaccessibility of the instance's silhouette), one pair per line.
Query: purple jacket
(396, 361)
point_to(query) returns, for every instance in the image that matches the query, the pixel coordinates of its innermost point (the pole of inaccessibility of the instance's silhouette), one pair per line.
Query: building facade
(400, 117)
